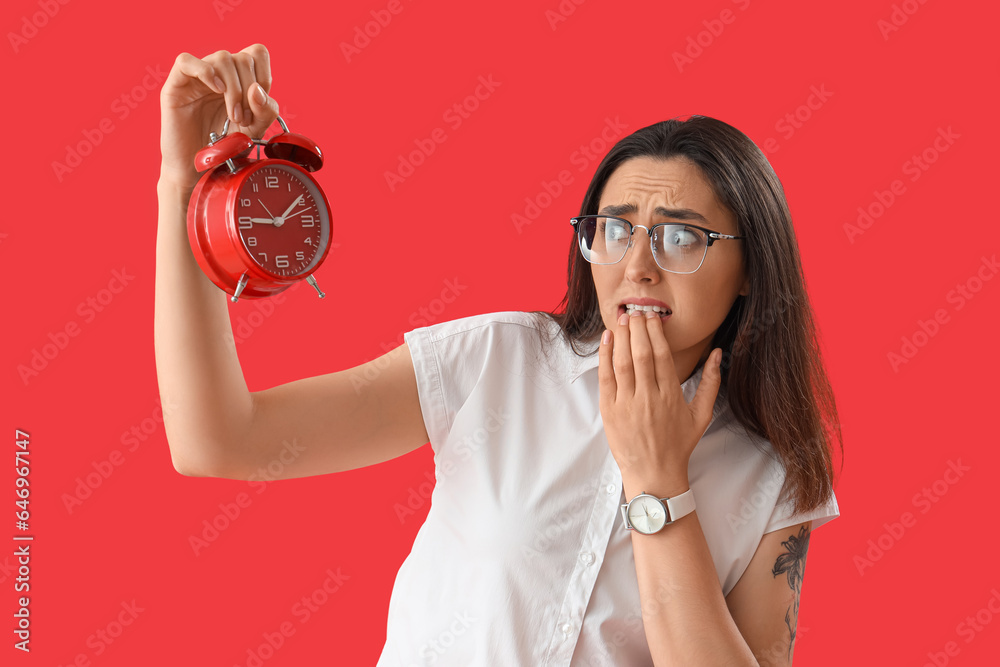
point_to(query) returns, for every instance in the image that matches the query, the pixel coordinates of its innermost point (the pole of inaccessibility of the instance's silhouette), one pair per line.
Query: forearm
(202, 389)
(684, 613)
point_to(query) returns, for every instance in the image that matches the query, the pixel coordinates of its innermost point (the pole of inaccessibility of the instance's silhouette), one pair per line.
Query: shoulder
(511, 322)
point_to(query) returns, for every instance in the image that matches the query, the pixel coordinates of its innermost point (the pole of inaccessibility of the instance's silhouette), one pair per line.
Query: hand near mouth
(651, 428)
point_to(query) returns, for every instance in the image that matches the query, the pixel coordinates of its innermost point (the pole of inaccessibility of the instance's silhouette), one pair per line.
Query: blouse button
(611, 489)
(587, 557)
(566, 628)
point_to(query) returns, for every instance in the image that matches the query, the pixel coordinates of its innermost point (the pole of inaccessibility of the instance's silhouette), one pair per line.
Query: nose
(639, 262)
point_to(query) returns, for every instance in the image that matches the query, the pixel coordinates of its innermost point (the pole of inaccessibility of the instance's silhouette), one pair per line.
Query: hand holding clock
(200, 94)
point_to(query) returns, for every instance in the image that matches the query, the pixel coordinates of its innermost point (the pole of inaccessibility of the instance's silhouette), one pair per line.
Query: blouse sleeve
(449, 359)
(783, 516)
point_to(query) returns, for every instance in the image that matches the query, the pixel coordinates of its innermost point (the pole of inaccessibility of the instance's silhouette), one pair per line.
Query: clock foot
(312, 281)
(239, 288)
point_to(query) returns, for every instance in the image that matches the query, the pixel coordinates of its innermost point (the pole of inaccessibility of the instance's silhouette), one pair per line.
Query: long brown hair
(772, 369)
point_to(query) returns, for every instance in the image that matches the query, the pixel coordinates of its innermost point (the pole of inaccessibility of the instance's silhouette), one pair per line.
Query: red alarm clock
(258, 226)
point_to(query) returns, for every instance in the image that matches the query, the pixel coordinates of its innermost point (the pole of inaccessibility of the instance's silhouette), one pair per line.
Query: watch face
(646, 514)
(282, 220)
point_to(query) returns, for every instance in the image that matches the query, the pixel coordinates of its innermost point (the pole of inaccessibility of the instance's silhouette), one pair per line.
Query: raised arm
(214, 425)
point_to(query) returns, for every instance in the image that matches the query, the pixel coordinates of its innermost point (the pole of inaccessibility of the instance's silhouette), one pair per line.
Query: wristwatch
(648, 514)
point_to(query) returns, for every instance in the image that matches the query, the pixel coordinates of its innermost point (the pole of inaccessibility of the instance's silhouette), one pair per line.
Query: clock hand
(262, 221)
(286, 217)
(289, 209)
(265, 208)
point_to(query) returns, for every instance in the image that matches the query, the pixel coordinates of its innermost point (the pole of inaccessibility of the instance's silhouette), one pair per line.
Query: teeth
(629, 307)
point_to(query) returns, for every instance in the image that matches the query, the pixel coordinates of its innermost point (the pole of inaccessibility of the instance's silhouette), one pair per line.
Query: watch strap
(679, 506)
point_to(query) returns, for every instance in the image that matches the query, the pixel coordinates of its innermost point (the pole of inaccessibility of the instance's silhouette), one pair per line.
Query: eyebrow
(676, 213)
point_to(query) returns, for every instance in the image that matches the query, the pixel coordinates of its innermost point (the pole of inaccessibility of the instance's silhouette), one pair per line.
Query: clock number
(307, 219)
(300, 256)
(255, 187)
(245, 222)
(244, 202)
(252, 241)
(270, 181)
(308, 240)
(302, 202)
(264, 255)
(281, 261)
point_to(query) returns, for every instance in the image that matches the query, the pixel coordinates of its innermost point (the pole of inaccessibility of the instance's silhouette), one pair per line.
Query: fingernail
(220, 85)
(623, 320)
(238, 112)
(650, 314)
(259, 95)
(606, 338)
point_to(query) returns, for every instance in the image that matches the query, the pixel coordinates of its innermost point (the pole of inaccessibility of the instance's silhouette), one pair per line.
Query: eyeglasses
(677, 248)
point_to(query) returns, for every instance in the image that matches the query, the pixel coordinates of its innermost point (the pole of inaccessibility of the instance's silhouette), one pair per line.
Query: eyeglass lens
(676, 248)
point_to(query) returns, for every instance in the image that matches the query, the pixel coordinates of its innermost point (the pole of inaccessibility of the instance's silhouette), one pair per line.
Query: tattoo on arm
(793, 563)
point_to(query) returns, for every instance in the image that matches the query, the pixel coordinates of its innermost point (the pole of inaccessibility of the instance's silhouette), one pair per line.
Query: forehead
(676, 183)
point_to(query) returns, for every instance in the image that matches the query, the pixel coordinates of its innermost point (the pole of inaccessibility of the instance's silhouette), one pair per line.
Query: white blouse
(523, 558)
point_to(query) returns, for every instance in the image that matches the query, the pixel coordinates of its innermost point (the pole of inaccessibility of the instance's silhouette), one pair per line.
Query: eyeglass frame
(712, 235)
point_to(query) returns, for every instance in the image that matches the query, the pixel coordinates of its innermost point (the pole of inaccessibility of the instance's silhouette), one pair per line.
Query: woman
(649, 501)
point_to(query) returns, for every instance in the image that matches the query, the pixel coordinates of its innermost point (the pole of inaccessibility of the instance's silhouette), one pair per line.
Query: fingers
(607, 386)
(187, 67)
(246, 71)
(242, 74)
(225, 69)
(708, 389)
(642, 353)
(262, 64)
(622, 355)
(663, 358)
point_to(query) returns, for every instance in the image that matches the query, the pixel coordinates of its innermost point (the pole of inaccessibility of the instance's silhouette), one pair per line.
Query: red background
(64, 234)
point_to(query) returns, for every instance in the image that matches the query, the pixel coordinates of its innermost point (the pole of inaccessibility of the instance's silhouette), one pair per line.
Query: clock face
(646, 514)
(282, 220)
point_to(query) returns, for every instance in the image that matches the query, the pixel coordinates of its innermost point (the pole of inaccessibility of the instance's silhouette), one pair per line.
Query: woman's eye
(615, 233)
(682, 237)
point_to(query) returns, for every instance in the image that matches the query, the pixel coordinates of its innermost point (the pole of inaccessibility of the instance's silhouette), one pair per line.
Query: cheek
(705, 301)
(604, 286)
